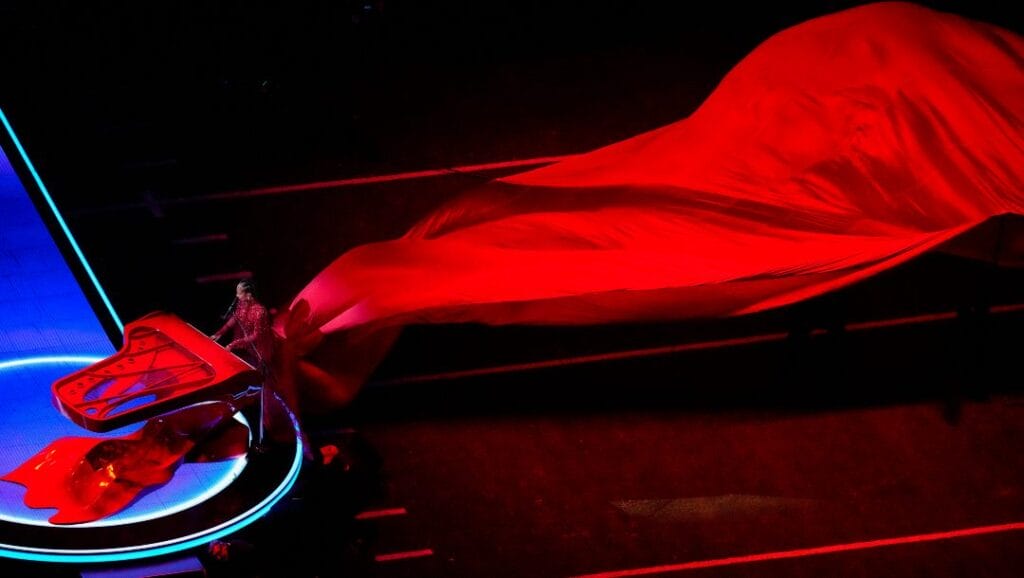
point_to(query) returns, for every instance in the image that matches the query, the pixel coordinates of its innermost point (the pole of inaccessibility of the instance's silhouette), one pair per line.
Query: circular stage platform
(202, 502)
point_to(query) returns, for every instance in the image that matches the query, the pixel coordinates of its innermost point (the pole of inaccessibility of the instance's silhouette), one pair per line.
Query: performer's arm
(220, 332)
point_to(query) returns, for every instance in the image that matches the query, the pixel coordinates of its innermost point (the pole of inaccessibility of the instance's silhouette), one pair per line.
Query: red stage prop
(164, 364)
(86, 479)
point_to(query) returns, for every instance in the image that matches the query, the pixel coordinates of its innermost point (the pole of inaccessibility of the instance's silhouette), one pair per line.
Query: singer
(253, 341)
(252, 337)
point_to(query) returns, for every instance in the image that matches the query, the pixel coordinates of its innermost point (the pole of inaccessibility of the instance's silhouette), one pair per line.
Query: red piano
(164, 364)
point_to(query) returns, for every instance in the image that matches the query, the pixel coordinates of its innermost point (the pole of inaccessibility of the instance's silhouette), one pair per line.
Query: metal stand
(261, 436)
(245, 401)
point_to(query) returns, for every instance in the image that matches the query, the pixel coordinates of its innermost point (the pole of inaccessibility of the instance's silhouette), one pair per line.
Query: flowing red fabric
(837, 149)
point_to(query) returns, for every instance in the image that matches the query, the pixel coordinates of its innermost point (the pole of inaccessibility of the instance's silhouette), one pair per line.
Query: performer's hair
(249, 286)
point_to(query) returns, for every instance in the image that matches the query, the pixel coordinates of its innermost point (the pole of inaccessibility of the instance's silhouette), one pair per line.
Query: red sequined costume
(253, 339)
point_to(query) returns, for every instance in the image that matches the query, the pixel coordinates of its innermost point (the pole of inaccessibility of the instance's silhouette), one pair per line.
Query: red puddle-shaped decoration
(164, 364)
(86, 479)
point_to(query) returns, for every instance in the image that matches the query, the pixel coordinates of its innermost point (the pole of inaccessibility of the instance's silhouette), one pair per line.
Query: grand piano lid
(164, 364)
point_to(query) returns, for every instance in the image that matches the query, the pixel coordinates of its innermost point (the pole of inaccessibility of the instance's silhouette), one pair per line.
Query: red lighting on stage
(804, 552)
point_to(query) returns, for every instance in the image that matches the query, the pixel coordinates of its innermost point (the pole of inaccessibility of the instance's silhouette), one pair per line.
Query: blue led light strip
(60, 220)
(49, 359)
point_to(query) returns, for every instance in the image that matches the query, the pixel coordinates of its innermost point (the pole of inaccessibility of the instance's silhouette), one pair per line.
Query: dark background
(244, 93)
(250, 91)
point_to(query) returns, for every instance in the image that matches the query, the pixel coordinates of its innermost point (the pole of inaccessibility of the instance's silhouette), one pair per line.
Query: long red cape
(837, 149)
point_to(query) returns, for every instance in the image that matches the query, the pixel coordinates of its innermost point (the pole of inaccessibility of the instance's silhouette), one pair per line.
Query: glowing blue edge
(50, 359)
(60, 220)
(167, 546)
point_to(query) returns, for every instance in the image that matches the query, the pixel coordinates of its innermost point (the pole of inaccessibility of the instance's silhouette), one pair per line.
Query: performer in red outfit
(253, 340)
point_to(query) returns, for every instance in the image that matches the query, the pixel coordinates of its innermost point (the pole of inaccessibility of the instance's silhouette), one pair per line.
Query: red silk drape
(837, 149)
